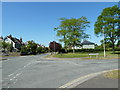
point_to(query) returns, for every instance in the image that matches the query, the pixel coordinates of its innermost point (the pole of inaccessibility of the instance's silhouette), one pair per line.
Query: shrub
(39, 49)
(24, 50)
(117, 49)
(62, 50)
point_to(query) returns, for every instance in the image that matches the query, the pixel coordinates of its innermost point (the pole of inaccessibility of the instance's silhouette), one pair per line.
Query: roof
(15, 40)
(85, 42)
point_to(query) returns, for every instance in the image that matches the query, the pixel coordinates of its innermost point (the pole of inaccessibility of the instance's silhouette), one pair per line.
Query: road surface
(37, 72)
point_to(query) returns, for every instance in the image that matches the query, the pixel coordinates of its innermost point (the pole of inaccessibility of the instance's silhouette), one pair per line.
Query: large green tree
(32, 46)
(118, 43)
(107, 24)
(6, 46)
(107, 42)
(71, 31)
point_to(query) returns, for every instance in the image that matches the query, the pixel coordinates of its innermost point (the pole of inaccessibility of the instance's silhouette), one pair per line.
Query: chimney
(20, 39)
(10, 36)
(1, 37)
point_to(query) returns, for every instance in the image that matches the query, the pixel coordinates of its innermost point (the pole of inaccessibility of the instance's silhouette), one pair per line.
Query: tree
(24, 50)
(32, 46)
(62, 33)
(6, 46)
(72, 30)
(39, 49)
(107, 42)
(108, 22)
(118, 43)
(0, 45)
(9, 47)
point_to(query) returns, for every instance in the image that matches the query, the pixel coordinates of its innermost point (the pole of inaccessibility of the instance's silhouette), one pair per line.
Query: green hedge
(81, 50)
(117, 49)
(87, 50)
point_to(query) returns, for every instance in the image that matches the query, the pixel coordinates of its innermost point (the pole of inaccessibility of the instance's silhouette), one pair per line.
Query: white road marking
(15, 74)
(20, 69)
(10, 75)
(82, 79)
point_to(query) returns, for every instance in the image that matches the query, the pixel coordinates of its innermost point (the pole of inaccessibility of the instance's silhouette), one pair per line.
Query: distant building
(1, 39)
(54, 46)
(88, 45)
(16, 43)
(77, 47)
(85, 45)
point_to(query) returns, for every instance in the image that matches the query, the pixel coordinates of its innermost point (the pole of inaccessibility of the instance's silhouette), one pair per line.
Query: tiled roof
(15, 40)
(85, 42)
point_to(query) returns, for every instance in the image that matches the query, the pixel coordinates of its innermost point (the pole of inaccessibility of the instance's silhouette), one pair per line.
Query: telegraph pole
(104, 42)
(54, 46)
(119, 19)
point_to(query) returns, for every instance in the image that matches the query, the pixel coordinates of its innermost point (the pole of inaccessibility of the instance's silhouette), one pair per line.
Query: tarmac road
(37, 72)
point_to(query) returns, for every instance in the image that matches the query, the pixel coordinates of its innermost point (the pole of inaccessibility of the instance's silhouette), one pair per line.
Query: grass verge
(115, 74)
(109, 55)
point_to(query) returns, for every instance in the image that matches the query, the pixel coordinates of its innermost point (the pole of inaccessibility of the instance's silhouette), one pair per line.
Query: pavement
(99, 82)
(38, 72)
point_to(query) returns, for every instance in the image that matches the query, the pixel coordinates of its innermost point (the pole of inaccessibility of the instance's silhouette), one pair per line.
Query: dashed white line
(15, 74)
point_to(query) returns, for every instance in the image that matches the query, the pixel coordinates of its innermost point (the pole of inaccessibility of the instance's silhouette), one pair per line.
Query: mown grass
(85, 55)
(115, 74)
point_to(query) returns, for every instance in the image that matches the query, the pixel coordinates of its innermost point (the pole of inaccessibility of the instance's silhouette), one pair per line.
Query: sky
(37, 20)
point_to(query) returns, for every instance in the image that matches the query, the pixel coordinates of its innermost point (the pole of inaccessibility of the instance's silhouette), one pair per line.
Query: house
(77, 47)
(16, 43)
(1, 38)
(54, 46)
(88, 45)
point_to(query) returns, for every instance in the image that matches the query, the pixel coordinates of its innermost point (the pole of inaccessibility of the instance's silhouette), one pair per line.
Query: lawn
(115, 74)
(86, 56)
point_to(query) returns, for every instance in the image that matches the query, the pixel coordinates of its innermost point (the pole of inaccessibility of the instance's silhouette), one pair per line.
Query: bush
(70, 50)
(98, 49)
(32, 47)
(90, 50)
(81, 50)
(117, 49)
(39, 50)
(62, 50)
(24, 50)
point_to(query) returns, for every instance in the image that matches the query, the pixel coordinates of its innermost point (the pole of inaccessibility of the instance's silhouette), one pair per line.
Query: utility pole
(104, 42)
(54, 46)
(119, 22)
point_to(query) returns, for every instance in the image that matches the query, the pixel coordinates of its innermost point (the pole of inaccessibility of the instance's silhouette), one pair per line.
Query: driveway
(37, 72)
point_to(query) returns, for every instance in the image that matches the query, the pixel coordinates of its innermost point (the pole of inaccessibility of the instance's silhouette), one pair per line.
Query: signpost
(93, 54)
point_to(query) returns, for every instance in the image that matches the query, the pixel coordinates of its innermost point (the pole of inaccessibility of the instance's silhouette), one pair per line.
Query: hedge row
(92, 50)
